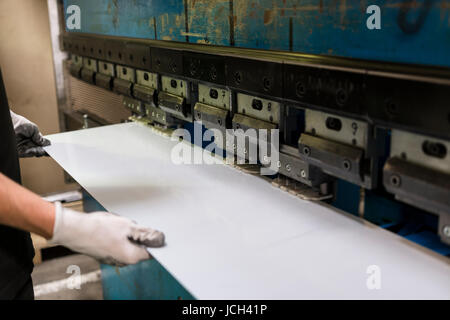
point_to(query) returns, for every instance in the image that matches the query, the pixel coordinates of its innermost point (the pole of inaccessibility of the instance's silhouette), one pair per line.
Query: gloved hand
(107, 237)
(30, 141)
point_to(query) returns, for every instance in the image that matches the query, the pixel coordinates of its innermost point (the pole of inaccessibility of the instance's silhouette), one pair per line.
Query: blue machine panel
(415, 32)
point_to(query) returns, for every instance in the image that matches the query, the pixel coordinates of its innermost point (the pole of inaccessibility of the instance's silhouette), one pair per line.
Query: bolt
(446, 231)
(288, 167)
(85, 121)
(346, 164)
(395, 180)
(303, 173)
(306, 151)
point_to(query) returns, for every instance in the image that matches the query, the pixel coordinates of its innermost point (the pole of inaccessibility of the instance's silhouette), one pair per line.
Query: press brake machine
(364, 115)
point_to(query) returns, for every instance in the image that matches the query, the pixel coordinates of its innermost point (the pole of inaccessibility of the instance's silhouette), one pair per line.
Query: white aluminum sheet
(234, 236)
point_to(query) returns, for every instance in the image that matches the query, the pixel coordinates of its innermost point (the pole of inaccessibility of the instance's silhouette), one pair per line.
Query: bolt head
(347, 164)
(446, 231)
(395, 180)
(306, 151)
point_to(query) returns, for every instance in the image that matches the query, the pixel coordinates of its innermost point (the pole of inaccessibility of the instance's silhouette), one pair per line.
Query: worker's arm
(107, 237)
(30, 141)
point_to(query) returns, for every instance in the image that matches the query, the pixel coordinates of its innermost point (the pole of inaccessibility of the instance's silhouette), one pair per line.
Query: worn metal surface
(340, 129)
(411, 31)
(411, 147)
(419, 186)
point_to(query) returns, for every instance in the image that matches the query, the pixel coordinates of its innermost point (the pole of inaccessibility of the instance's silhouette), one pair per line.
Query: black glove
(30, 141)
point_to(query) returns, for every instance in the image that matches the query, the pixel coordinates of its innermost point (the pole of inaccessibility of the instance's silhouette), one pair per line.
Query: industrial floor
(56, 279)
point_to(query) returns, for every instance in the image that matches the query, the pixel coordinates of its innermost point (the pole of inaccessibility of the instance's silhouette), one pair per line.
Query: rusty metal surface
(411, 31)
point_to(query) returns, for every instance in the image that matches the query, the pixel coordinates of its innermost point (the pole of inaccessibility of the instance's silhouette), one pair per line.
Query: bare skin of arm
(22, 209)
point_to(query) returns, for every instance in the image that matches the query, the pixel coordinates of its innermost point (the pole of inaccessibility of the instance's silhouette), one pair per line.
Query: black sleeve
(16, 248)
(9, 161)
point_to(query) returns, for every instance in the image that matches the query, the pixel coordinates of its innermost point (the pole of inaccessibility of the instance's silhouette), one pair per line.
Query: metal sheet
(233, 235)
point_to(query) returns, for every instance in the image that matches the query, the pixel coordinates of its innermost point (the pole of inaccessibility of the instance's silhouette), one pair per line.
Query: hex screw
(446, 231)
(395, 180)
(306, 151)
(303, 173)
(346, 164)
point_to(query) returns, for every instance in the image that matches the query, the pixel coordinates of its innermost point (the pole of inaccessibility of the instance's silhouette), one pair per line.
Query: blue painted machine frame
(413, 32)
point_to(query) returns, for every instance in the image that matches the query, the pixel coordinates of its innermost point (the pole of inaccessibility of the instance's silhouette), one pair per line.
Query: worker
(107, 237)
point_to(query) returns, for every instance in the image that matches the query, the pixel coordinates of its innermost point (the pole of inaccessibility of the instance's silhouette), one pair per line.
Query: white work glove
(109, 238)
(30, 141)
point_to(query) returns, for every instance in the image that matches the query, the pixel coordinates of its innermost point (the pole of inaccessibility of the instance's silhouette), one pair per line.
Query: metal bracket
(144, 93)
(106, 68)
(75, 70)
(251, 141)
(125, 73)
(419, 186)
(147, 79)
(292, 166)
(88, 75)
(334, 158)
(173, 104)
(103, 81)
(90, 64)
(258, 108)
(123, 87)
(214, 96)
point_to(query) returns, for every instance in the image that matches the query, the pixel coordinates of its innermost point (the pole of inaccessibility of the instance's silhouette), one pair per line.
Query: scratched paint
(160, 19)
(259, 24)
(411, 32)
(209, 21)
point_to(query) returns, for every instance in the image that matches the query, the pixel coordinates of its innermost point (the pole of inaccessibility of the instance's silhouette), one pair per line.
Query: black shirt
(16, 248)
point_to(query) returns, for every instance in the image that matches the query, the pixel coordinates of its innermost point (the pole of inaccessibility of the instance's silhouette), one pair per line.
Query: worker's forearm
(22, 209)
